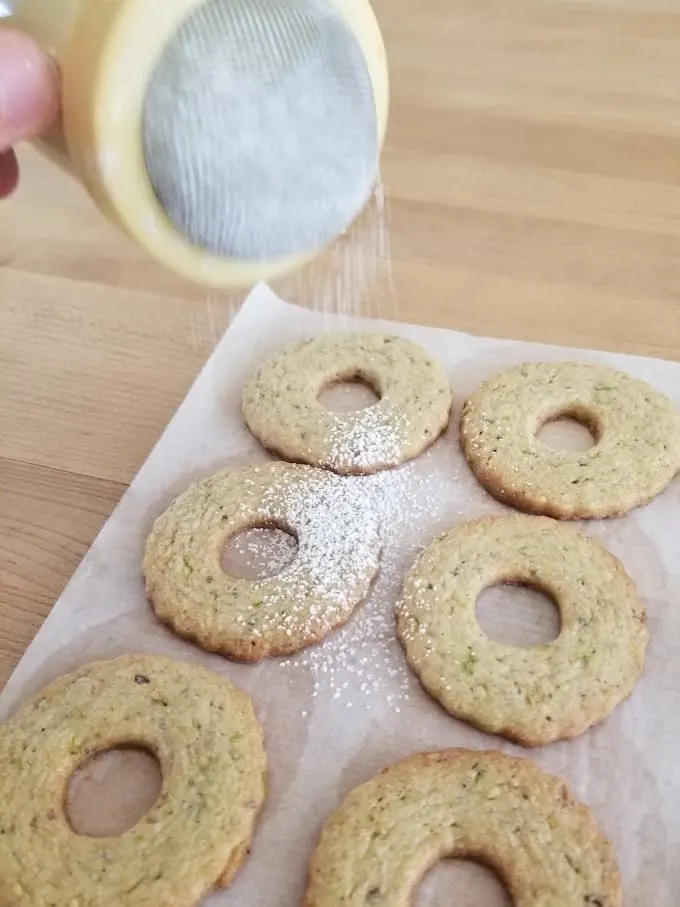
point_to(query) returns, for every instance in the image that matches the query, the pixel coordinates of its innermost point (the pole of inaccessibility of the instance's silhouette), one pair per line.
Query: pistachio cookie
(208, 743)
(338, 541)
(501, 811)
(635, 428)
(281, 406)
(532, 695)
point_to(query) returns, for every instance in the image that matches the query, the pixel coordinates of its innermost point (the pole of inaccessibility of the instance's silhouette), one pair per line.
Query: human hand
(29, 99)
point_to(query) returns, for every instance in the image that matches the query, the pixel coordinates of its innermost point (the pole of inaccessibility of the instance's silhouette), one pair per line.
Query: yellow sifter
(233, 139)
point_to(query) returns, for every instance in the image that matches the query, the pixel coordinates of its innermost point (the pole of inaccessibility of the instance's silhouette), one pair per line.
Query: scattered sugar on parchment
(364, 660)
(260, 552)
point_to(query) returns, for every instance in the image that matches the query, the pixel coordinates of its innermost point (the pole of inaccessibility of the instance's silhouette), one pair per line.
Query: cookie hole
(518, 615)
(348, 395)
(463, 883)
(569, 433)
(259, 552)
(112, 792)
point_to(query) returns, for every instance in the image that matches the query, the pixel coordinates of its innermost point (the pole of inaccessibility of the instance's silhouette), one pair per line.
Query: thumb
(29, 88)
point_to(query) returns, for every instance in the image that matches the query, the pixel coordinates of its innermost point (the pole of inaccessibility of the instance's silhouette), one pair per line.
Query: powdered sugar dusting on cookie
(282, 409)
(369, 439)
(338, 546)
(338, 555)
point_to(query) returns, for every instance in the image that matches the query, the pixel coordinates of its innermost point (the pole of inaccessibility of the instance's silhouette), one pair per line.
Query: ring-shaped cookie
(500, 811)
(281, 406)
(208, 743)
(636, 431)
(338, 555)
(532, 695)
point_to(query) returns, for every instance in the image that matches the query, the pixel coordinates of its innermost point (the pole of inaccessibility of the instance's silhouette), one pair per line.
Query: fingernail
(28, 94)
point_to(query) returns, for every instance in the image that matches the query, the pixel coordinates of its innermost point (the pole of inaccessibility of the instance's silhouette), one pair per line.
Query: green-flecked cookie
(501, 811)
(532, 695)
(636, 431)
(209, 745)
(282, 410)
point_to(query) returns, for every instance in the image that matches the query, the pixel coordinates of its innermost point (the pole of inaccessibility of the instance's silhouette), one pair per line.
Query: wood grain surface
(533, 173)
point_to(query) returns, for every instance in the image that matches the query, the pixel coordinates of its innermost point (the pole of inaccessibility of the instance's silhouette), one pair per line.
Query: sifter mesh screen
(260, 134)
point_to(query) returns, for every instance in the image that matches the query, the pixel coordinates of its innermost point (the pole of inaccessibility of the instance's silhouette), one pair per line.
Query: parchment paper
(335, 715)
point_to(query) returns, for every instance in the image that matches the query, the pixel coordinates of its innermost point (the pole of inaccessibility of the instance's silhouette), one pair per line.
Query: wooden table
(533, 167)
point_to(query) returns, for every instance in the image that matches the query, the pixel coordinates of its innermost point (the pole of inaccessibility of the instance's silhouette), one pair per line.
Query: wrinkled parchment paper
(337, 714)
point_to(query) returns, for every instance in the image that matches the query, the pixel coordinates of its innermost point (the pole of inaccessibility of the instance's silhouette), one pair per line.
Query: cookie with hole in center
(532, 695)
(636, 431)
(339, 545)
(209, 746)
(282, 409)
(501, 811)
